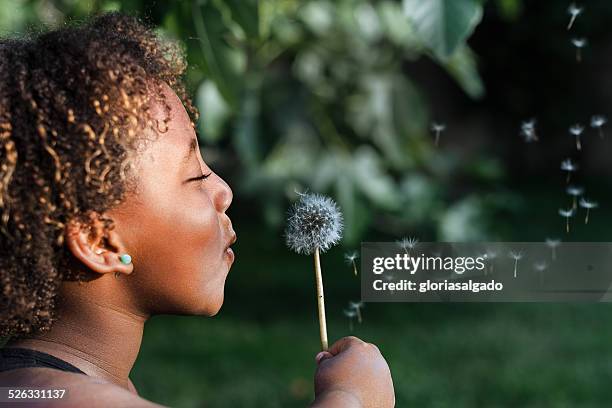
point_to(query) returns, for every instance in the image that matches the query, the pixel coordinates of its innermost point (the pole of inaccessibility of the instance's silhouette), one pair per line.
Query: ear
(96, 247)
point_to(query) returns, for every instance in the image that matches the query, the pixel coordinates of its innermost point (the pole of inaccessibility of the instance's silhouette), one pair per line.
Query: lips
(228, 251)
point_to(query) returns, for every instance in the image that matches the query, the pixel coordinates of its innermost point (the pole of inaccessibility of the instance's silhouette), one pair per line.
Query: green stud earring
(125, 259)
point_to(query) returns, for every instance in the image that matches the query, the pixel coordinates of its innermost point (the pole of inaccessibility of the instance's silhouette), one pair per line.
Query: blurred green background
(339, 97)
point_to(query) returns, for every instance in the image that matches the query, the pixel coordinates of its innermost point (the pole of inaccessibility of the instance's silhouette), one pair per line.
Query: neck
(100, 337)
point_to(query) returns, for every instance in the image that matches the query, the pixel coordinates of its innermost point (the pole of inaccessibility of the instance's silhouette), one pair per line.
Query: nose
(224, 195)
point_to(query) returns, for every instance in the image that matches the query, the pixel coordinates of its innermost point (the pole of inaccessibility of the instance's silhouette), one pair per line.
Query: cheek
(184, 250)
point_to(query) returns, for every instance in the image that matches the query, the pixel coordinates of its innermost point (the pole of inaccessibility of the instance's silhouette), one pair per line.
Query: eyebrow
(193, 145)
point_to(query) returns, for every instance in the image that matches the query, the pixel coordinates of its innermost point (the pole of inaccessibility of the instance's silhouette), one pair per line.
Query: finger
(343, 344)
(322, 356)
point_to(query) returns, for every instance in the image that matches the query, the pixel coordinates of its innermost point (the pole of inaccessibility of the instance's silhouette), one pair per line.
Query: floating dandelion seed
(357, 306)
(574, 11)
(569, 166)
(567, 214)
(350, 313)
(553, 243)
(576, 131)
(579, 43)
(597, 122)
(437, 128)
(575, 192)
(517, 256)
(528, 131)
(407, 243)
(540, 266)
(491, 255)
(589, 205)
(349, 258)
(314, 225)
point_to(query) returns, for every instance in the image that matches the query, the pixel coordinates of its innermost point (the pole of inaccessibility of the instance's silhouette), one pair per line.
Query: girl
(109, 215)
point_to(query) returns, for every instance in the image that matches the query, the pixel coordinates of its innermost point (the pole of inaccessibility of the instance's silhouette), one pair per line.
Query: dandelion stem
(571, 22)
(586, 219)
(578, 54)
(358, 314)
(320, 300)
(567, 180)
(554, 253)
(575, 203)
(515, 266)
(567, 225)
(437, 138)
(354, 267)
(578, 145)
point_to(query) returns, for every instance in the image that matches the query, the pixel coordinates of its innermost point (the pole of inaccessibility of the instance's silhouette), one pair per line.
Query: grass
(259, 351)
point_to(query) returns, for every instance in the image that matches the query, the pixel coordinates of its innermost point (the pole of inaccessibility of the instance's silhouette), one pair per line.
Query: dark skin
(177, 232)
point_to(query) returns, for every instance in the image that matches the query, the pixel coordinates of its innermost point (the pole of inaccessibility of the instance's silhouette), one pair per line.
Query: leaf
(376, 184)
(443, 25)
(462, 67)
(221, 62)
(214, 111)
(243, 12)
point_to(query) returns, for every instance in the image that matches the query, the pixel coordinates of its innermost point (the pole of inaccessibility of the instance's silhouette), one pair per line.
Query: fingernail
(319, 356)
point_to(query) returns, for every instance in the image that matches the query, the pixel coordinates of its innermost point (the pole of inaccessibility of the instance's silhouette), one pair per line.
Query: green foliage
(314, 95)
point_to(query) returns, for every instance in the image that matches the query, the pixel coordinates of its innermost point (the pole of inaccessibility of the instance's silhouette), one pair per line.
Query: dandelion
(491, 255)
(528, 131)
(579, 43)
(437, 128)
(575, 192)
(584, 203)
(350, 313)
(314, 225)
(597, 122)
(540, 267)
(357, 306)
(567, 214)
(349, 258)
(574, 11)
(517, 256)
(553, 243)
(569, 166)
(407, 243)
(576, 130)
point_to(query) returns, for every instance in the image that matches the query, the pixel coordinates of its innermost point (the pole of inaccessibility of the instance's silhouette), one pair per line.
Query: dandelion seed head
(553, 242)
(314, 221)
(491, 254)
(579, 42)
(574, 10)
(567, 213)
(350, 313)
(438, 127)
(356, 305)
(598, 121)
(350, 257)
(576, 130)
(408, 243)
(540, 266)
(574, 191)
(584, 203)
(516, 255)
(568, 165)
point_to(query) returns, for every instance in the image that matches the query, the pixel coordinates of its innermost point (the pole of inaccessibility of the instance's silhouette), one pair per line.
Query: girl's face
(175, 228)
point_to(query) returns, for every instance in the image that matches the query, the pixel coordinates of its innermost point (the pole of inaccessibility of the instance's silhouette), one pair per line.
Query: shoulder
(81, 390)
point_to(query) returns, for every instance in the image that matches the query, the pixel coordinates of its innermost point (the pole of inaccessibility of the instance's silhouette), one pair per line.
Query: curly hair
(73, 103)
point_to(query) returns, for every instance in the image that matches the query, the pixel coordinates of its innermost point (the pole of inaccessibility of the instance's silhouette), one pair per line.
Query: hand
(353, 373)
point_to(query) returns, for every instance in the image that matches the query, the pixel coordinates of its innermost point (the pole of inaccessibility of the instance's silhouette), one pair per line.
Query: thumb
(322, 356)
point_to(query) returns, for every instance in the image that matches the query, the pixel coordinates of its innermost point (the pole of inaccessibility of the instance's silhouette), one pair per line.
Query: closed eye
(202, 177)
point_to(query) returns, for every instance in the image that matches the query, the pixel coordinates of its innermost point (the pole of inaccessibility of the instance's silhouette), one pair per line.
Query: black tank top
(16, 357)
